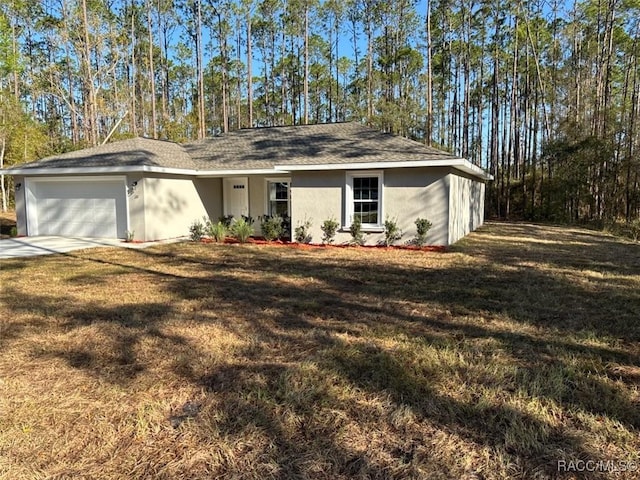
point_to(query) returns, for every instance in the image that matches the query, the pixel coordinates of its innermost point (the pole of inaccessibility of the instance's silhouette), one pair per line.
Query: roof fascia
(237, 173)
(97, 170)
(457, 163)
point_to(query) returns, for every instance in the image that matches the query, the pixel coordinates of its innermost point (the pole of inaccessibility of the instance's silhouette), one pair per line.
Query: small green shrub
(272, 227)
(226, 220)
(422, 228)
(217, 231)
(13, 232)
(241, 230)
(197, 231)
(301, 233)
(286, 227)
(329, 228)
(391, 231)
(357, 235)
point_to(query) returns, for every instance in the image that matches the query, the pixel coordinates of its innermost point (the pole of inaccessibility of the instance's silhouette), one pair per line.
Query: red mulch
(305, 246)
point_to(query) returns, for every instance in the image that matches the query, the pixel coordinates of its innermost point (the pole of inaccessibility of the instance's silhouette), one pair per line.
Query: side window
(278, 198)
(364, 198)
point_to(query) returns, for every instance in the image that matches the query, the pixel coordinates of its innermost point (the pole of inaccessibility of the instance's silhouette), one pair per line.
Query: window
(278, 197)
(364, 198)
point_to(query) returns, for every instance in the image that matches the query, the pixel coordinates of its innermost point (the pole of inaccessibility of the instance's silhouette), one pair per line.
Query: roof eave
(229, 172)
(97, 170)
(458, 163)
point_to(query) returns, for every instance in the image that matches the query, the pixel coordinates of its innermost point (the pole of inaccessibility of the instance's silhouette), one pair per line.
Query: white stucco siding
(318, 196)
(257, 199)
(210, 192)
(411, 193)
(466, 201)
(408, 194)
(136, 205)
(21, 206)
(171, 204)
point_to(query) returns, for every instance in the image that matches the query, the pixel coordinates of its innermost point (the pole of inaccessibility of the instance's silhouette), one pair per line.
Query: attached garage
(93, 206)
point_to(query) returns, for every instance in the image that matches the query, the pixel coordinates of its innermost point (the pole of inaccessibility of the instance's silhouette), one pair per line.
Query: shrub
(248, 219)
(241, 230)
(217, 231)
(286, 227)
(301, 233)
(196, 231)
(357, 236)
(422, 227)
(272, 227)
(391, 231)
(13, 232)
(226, 220)
(329, 228)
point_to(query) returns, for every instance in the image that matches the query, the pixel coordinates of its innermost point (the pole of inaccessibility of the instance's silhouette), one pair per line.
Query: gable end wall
(466, 200)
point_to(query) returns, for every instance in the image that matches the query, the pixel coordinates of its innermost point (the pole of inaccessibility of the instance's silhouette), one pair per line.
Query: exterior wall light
(132, 188)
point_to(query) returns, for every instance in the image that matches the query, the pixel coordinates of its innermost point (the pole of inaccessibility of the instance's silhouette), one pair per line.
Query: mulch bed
(307, 246)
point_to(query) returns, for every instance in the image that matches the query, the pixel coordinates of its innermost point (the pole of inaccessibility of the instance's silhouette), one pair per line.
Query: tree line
(544, 94)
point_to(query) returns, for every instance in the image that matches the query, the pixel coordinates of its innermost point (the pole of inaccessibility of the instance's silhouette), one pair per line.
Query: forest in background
(543, 94)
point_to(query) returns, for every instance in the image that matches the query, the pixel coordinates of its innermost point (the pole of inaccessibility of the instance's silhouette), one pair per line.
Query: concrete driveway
(32, 246)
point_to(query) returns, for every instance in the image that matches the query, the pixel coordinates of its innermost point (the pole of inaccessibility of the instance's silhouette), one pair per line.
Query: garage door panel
(86, 208)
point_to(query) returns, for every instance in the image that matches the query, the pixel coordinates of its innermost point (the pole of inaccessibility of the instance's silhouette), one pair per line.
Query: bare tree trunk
(14, 48)
(306, 63)
(89, 80)
(134, 117)
(429, 125)
(369, 68)
(249, 70)
(225, 86)
(202, 129)
(513, 121)
(152, 74)
(164, 76)
(547, 127)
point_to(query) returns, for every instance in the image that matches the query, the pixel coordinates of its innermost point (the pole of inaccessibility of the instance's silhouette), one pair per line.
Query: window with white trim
(278, 198)
(364, 198)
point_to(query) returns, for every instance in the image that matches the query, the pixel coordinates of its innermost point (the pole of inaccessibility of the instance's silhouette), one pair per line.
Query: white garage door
(78, 207)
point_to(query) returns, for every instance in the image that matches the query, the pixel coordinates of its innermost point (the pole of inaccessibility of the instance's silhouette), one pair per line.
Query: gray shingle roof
(260, 148)
(133, 152)
(307, 145)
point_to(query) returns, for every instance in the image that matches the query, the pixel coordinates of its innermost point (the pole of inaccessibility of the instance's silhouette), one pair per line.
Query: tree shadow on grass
(109, 335)
(306, 320)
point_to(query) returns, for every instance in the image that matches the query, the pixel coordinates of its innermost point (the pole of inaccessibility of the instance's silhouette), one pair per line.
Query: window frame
(350, 201)
(267, 196)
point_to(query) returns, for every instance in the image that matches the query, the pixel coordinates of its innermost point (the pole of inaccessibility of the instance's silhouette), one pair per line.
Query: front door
(236, 196)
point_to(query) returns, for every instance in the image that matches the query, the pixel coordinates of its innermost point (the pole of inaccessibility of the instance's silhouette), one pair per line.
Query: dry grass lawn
(516, 349)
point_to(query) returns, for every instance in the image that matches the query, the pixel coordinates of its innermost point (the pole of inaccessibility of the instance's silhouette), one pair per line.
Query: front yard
(516, 350)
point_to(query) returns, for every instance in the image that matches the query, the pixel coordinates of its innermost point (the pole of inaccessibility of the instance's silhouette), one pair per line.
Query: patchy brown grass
(516, 349)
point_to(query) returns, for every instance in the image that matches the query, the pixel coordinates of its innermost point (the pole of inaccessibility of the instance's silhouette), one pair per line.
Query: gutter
(458, 163)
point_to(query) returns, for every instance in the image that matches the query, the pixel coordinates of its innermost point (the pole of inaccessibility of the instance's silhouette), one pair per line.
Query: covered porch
(245, 196)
